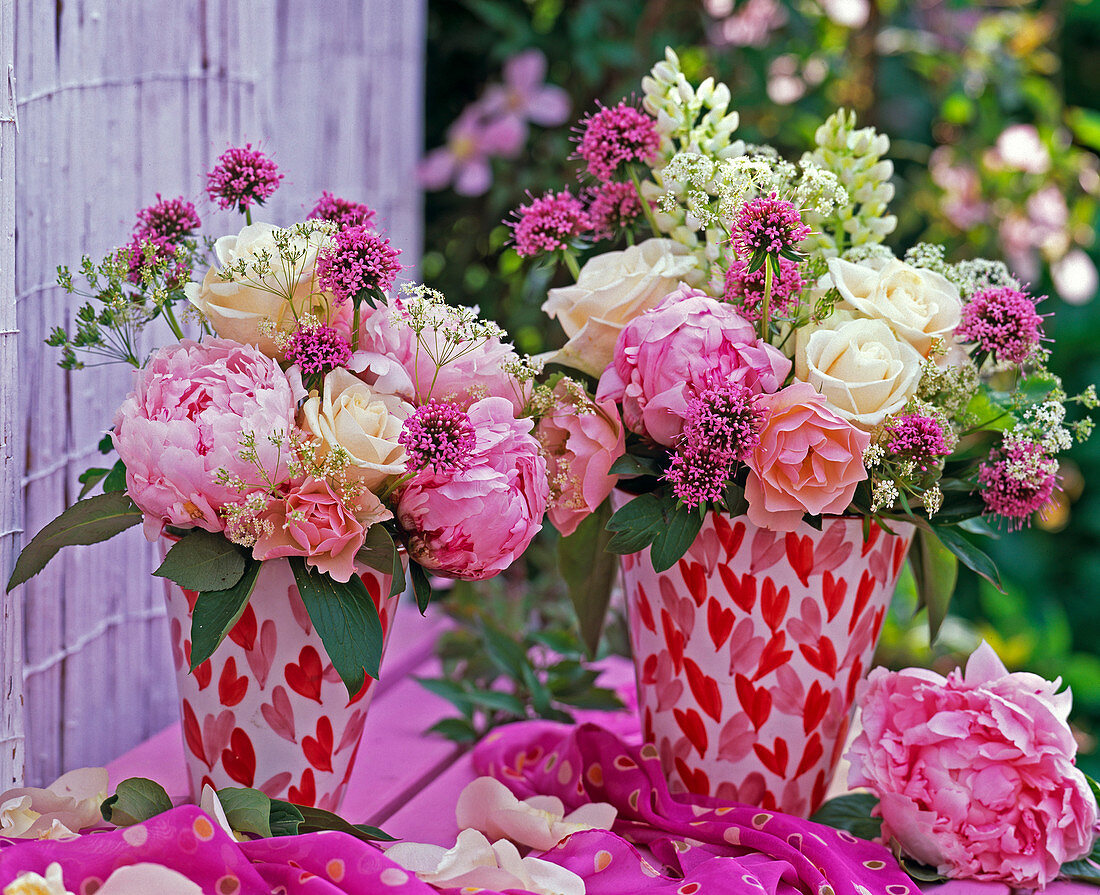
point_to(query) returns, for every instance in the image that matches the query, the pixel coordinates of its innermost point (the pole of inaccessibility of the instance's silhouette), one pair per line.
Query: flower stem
(571, 263)
(765, 315)
(646, 209)
(355, 326)
(170, 316)
(248, 216)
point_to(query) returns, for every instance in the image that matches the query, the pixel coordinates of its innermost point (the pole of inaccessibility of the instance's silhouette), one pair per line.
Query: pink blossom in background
(472, 141)
(581, 439)
(243, 177)
(666, 356)
(785, 86)
(1075, 277)
(1019, 147)
(184, 420)
(962, 203)
(749, 25)
(809, 460)
(975, 772)
(849, 13)
(313, 521)
(474, 523)
(548, 223)
(525, 95)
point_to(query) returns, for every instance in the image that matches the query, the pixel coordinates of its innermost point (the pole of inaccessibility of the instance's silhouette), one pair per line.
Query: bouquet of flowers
(313, 419)
(738, 317)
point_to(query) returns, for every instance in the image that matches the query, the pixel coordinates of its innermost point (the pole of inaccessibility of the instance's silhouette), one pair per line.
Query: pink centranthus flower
(342, 212)
(612, 207)
(1017, 481)
(746, 290)
(357, 260)
(548, 223)
(613, 136)
(191, 406)
(975, 772)
(768, 224)
(243, 177)
(171, 219)
(917, 438)
(1002, 322)
(146, 250)
(474, 522)
(667, 356)
(440, 435)
(313, 522)
(317, 349)
(721, 429)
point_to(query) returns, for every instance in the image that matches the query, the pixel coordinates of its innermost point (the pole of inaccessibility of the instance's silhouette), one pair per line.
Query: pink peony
(809, 460)
(392, 363)
(184, 421)
(473, 523)
(666, 356)
(314, 522)
(581, 439)
(975, 772)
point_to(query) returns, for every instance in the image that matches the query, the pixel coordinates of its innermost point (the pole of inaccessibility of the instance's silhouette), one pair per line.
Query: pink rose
(666, 356)
(474, 522)
(313, 521)
(391, 361)
(809, 460)
(581, 439)
(190, 407)
(975, 772)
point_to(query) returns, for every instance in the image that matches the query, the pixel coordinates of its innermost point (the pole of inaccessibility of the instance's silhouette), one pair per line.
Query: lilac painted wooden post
(119, 101)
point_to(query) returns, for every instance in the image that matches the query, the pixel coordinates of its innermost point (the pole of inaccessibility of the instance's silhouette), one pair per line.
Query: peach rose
(809, 460)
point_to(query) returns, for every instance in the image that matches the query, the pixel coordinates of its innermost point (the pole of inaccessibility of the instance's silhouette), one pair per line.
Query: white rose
(363, 422)
(613, 289)
(919, 304)
(236, 308)
(864, 371)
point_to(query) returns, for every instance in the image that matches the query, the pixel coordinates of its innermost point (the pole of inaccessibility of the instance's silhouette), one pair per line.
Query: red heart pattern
(751, 694)
(261, 711)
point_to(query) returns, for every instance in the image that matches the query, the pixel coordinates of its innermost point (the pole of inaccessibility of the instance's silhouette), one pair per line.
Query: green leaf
(851, 812)
(217, 611)
(458, 730)
(681, 526)
(598, 698)
(380, 553)
(203, 560)
(971, 557)
(454, 692)
(116, 478)
(496, 700)
(346, 620)
(629, 464)
(1085, 124)
(247, 810)
(89, 478)
(316, 819)
(505, 653)
(422, 588)
(106, 444)
(636, 524)
(589, 572)
(285, 818)
(135, 800)
(922, 873)
(935, 570)
(86, 522)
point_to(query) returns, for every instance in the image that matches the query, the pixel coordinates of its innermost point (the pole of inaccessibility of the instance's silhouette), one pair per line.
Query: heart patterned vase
(749, 650)
(267, 709)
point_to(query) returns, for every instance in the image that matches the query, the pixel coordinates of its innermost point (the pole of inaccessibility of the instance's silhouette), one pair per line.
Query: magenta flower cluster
(358, 260)
(169, 218)
(917, 438)
(1002, 322)
(746, 290)
(342, 212)
(440, 435)
(721, 428)
(317, 349)
(243, 177)
(614, 136)
(1017, 481)
(548, 223)
(768, 224)
(612, 207)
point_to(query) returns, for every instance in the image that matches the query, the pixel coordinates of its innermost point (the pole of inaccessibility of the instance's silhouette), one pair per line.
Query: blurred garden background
(993, 110)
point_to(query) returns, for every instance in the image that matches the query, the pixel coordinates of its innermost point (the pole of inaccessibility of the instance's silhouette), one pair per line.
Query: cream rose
(864, 371)
(613, 289)
(236, 308)
(919, 304)
(349, 414)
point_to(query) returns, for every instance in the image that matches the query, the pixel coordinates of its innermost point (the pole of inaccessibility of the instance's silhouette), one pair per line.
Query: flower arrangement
(314, 419)
(738, 317)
